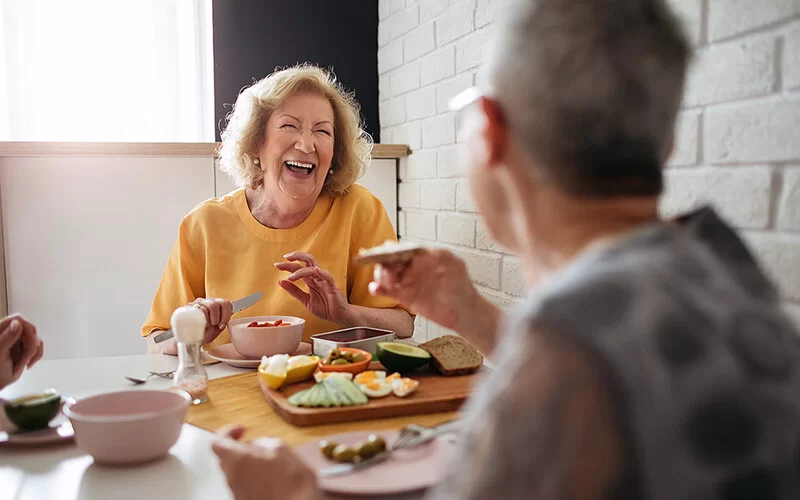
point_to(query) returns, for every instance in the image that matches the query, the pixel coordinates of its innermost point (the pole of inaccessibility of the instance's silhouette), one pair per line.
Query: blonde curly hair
(244, 133)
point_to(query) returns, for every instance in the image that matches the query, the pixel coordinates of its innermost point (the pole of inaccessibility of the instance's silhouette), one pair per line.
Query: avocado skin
(396, 362)
(33, 416)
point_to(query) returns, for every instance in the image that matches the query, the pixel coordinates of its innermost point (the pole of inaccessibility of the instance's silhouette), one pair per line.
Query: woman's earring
(257, 161)
(330, 171)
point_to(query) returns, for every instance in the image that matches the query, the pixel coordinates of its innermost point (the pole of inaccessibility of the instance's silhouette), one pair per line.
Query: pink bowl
(130, 426)
(254, 342)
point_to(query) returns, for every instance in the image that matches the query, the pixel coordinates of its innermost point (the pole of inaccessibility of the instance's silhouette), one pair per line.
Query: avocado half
(403, 358)
(34, 412)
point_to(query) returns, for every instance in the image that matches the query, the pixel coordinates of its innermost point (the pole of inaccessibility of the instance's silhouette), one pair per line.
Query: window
(100, 70)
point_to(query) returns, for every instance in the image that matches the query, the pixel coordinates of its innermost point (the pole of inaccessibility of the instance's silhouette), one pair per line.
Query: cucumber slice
(330, 398)
(332, 384)
(314, 397)
(296, 398)
(352, 392)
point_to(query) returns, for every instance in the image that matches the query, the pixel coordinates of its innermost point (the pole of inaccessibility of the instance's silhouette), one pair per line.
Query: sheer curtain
(106, 70)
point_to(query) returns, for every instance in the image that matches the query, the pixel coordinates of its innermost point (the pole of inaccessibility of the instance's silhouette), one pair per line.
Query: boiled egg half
(373, 383)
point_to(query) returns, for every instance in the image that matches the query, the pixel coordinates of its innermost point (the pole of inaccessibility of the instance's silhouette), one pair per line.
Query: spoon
(139, 381)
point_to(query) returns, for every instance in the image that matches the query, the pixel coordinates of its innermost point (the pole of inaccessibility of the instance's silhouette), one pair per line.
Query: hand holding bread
(435, 283)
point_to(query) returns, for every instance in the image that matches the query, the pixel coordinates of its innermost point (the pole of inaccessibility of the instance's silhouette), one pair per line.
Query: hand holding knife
(238, 305)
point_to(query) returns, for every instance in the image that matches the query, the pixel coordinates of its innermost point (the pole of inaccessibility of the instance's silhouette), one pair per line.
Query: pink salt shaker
(189, 324)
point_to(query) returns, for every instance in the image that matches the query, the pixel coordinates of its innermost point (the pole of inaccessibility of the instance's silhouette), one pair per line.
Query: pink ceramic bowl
(128, 427)
(255, 341)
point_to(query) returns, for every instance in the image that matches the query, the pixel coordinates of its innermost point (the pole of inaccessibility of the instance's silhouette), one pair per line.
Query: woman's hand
(218, 314)
(263, 469)
(324, 299)
(20, 348)
(436, 285)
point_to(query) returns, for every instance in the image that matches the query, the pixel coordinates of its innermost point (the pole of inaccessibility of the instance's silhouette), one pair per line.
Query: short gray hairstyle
(590, 89)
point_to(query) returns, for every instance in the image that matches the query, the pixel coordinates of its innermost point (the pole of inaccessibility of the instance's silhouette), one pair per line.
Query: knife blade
(238, 305)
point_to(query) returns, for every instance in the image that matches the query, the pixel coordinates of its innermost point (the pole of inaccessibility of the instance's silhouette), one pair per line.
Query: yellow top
(223, 251)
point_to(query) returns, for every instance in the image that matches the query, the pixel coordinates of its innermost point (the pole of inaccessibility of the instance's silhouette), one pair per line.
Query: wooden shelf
(93, 149)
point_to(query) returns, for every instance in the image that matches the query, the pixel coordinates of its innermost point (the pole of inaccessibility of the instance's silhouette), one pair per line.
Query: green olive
(378, 442)
(340, 361)
(335, 353)
(358, 357)
(327, 447)
(366, 450)
(344, 453)
(326, 361)
(348, 356)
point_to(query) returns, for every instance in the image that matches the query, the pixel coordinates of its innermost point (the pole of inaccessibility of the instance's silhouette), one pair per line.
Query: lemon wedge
(297, 369)
(301, 368)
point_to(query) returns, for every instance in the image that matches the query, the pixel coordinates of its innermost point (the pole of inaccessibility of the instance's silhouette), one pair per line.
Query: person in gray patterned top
(651, 359)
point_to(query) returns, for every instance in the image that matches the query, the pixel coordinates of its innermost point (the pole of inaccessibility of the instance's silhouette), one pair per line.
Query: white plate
(60, 430)
(229, 355)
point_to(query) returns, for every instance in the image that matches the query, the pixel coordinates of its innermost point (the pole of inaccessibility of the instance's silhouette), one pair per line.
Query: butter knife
(238, 305)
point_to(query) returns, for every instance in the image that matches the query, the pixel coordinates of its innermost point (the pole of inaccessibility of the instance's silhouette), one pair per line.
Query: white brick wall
(737, 141)
(791, 57)
(456, 229)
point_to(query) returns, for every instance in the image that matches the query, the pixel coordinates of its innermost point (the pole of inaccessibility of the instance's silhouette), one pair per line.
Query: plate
(405, 470)
(229, 355)
(60, 430)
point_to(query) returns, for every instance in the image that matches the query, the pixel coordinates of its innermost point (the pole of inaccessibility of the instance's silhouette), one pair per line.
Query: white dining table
(62, 471)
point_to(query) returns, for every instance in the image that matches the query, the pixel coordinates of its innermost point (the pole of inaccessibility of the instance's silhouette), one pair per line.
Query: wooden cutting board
(238, 399)
(435, 394)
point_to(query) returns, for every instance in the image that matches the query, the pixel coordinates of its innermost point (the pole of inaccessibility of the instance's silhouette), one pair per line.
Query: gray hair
(590, 89)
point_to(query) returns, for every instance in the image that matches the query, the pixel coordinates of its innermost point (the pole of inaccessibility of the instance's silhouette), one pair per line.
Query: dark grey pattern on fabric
(701, 359)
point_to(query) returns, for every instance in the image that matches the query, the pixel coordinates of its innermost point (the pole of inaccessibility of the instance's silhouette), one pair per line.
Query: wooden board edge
(309, 418)
(94, 149)
(390, 151)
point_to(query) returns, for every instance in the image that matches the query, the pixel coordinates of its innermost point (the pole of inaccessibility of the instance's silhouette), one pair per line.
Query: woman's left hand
(324, 299)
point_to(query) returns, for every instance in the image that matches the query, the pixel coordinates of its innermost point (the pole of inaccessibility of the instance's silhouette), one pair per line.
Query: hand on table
(324, 299)
(20, 348)
(265, 468)
(218, 314)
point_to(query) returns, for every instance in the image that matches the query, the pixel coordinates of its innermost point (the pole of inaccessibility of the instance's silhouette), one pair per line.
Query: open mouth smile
(299, 167)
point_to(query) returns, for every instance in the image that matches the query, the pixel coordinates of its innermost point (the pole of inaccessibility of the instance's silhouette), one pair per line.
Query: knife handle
(163, 336)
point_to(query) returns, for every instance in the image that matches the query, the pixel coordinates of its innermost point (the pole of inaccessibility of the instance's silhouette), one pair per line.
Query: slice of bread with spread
(452, 355)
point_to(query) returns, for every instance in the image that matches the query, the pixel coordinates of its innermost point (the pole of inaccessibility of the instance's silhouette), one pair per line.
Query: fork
(413, 434)
(138, 381)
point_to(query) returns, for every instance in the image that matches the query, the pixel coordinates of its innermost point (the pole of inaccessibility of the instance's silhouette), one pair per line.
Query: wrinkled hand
(218, 314)
(20, 348)
(324, 299)
(265, 468)
(435, 283)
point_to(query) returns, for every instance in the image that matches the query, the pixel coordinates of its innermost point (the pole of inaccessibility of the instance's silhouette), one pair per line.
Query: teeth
(298, 164)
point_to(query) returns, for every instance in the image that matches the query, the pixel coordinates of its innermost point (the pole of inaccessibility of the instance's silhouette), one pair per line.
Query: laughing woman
(294, 146)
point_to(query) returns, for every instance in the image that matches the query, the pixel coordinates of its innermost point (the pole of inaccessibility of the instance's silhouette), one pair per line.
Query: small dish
(359, 337)
(404, 471)
(353, 368)
(253, 342)
(59, 431)
(228, 354)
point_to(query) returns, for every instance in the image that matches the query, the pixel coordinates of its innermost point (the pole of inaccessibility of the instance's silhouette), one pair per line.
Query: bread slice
(387, 253)
(453, 355)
